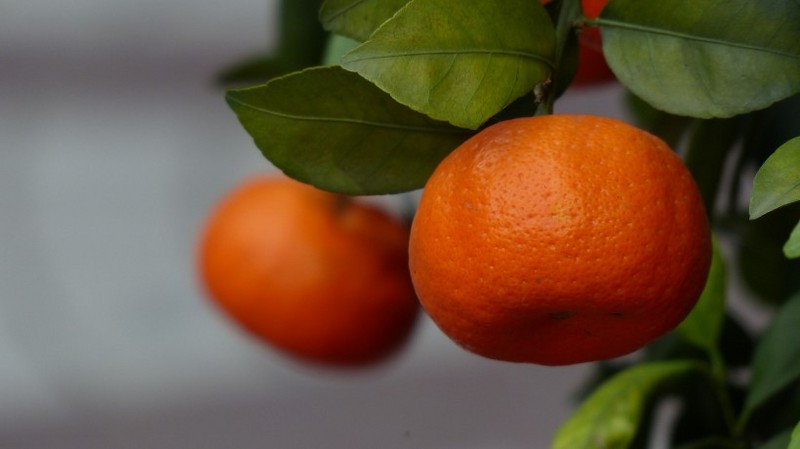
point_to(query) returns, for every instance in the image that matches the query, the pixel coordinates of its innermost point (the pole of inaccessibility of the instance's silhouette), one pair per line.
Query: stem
(719, 377)
(568, 14)
(742, 422)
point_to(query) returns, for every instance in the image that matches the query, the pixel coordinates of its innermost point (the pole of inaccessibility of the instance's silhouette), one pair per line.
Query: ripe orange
(559, 239)
(314, 274)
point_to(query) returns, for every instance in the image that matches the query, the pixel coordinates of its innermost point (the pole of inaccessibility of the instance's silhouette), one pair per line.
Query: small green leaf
(776, 362)
(333, 129)
(612, 415)
(794, 443)
(792, 247)
(777, 182)
(357, 19)
(460, 61)
(714, 58)
(703, 326)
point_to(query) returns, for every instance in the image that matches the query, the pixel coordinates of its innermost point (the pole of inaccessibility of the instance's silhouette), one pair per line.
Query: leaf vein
(709, 40)
(459, 52)
(356, 121)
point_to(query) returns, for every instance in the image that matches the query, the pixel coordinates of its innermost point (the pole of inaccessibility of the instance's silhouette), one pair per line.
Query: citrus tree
(367, 97)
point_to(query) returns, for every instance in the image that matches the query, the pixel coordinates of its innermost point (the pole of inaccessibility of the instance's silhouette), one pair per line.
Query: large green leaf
(461, 61)
(333, 129)
(703, 326)
(711, 58)
(777, 182)
(776, 362)
(612, 415)
(357, 19)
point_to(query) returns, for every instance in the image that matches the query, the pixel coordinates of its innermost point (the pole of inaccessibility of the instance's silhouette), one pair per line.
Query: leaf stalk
(569, 14)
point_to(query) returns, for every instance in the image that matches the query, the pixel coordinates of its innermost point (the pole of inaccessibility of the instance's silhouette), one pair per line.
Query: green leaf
(776, 362)
(357, 19)
(792, 247)
(611, 416)
(714, 58)
(777, 182)
(460, 61)
(333, 129)
(794, 443)
(703, 326)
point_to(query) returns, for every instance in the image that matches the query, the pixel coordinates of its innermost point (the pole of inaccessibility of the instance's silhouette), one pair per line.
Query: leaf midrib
(690, 37)
(394, 126)
(353, 57)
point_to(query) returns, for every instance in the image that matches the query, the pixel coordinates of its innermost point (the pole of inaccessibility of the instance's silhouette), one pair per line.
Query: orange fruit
(314, 274)
(559, 239)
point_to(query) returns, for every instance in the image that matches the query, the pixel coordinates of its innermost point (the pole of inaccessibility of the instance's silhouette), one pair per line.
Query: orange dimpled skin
(559, 239)
(316, 275)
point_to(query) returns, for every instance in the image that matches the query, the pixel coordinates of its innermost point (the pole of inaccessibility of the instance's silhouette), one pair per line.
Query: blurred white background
(114, 144)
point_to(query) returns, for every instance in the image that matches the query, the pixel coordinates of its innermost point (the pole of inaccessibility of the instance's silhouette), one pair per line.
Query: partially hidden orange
(316, 275)
(592, 8)
(592, 66)
(559, 239)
